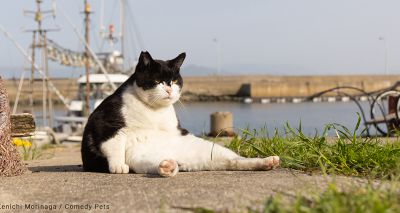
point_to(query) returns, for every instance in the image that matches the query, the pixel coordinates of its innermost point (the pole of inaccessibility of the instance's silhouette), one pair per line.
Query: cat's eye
(175, 81)
(157, 82)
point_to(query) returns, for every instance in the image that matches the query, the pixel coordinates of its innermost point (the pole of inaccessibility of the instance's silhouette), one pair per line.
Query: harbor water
(313, 116)
(195, 116)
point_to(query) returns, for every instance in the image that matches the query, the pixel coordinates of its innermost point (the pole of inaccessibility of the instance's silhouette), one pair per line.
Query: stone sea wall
(220, 88)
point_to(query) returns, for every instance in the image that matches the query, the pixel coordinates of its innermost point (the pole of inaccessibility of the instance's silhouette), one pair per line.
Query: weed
(29, 150)
(346, 154)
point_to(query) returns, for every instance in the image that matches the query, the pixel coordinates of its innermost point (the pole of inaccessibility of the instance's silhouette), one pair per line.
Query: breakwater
(220, 88)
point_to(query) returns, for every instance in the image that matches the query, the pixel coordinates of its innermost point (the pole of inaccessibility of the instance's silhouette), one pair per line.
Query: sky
(275, 37)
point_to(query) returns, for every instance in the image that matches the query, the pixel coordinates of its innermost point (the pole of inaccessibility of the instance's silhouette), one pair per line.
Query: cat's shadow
(62, 168)
(75, 168)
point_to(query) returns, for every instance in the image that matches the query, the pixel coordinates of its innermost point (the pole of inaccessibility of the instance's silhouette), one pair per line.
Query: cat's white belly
(145, 151)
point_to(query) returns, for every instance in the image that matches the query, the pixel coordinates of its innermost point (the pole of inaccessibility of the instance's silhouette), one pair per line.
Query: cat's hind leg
(146, 155)
(168, 168)
(252, 164)
(151, 164)
(199, 154)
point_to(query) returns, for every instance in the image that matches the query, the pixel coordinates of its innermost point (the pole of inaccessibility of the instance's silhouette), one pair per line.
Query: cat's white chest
(139, 117)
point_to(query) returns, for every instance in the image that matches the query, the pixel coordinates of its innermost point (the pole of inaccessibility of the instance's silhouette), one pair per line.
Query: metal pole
(87, 54)
(21, 81)
(122, 35)
(32, 72)
(386, 58)
(46, 69)
(218, 55)
(44, 88)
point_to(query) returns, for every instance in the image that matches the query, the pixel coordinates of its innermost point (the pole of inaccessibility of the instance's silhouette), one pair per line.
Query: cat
(136, 129)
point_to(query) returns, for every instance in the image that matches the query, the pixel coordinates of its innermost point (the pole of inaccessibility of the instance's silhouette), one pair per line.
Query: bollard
(221, 124)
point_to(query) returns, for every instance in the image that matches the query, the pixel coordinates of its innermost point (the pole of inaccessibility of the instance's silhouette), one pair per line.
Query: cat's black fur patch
(183, 130)
(106, 120)
(156, 71)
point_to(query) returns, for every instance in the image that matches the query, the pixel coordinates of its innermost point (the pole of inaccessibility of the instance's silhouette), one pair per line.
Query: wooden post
(393, 124)
(10, 160)
(87, 56)
(222, 124)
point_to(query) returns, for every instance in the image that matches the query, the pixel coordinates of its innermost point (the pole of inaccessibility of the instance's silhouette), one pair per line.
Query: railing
(383, 106)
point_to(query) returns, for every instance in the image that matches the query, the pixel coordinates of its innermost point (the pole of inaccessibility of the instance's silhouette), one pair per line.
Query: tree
(10, 160)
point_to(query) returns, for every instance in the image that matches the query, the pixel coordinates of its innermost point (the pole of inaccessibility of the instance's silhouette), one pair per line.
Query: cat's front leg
(114, 150)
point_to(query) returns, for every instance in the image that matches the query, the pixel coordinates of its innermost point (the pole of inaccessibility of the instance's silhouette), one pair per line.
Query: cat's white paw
(271, 162)
(118, 168)
(168, 168)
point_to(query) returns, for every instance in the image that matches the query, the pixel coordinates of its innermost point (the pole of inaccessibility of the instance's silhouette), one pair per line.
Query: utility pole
(39, 40)
(87, 55)
(216, 40)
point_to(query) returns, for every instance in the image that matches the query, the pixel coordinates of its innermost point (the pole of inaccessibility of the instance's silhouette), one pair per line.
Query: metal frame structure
(376, 101)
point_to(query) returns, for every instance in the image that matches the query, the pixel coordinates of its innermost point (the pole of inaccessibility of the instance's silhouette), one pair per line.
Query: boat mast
(40, 42)
(122, 28)
(87, 55)
(32, 79)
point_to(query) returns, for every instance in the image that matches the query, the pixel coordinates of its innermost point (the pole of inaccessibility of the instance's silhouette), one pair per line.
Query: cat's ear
(145, 58)
(178, 61)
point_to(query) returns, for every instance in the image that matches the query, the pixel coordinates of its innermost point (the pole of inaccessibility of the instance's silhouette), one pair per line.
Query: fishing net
(10, 160)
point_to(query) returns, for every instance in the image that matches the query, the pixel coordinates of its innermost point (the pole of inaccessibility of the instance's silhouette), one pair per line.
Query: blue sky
(278, 37)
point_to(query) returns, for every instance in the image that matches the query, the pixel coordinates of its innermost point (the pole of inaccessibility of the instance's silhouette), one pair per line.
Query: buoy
(248, 100)
(297, 100)
(281, 100)
(331, 99)
(265, 100)
(364, 98)
(345, 99)
(221, 124)
(317, 99)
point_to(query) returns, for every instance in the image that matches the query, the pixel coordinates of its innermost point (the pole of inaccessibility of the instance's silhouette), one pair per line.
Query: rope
(10, 161)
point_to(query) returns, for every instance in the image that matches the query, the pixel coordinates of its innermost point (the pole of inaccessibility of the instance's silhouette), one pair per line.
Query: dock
(260, 88)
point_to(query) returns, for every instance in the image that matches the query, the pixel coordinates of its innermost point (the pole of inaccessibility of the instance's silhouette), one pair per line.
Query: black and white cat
(136, 129)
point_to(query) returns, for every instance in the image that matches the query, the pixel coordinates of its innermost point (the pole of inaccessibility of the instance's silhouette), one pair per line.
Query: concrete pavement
(59, 184)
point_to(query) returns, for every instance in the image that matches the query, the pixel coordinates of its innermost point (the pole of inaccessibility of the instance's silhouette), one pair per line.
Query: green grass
(360, 199)
(364, 199)
(345, 154)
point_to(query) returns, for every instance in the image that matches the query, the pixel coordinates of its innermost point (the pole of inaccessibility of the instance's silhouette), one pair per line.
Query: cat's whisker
(183, 107)
(156, 98)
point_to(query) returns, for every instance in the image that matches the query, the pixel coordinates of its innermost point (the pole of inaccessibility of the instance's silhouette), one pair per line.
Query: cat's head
(158, 83)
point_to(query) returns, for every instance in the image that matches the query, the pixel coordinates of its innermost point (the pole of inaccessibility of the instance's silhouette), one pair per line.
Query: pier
(260, 88)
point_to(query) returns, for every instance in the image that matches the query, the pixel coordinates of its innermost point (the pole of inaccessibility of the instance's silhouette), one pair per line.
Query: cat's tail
(93, 161)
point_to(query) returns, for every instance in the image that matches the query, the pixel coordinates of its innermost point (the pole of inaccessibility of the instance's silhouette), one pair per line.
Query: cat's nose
(168, 90)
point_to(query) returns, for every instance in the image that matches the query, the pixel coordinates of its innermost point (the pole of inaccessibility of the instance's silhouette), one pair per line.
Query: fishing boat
(105, 71)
